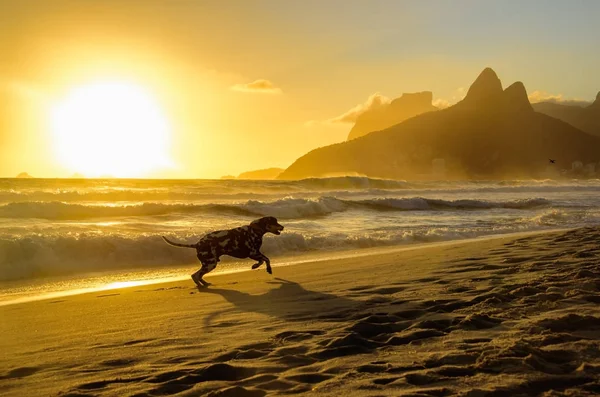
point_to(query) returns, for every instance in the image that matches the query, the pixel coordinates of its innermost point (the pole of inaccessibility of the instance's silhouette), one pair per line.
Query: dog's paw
(256, 265)
(269, 271)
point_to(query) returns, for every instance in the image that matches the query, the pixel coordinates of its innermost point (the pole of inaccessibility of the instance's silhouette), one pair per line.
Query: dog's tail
(178, 244)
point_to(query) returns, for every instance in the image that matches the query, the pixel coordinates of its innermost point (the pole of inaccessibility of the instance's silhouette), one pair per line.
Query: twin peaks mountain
(492, 133)
(400, 109)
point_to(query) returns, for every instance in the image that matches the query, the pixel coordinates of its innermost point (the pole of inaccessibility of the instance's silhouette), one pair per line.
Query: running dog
(241, 242)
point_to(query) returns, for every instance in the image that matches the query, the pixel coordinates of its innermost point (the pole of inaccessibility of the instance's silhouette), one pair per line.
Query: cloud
(543, 96)
(441, 103)
(457, 96)
(373, 102)
(257, 86)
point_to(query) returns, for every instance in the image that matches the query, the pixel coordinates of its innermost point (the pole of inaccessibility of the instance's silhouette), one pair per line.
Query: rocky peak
(406, 106)
(486, 86)
(596, 104)
(515, 97)
(423, 99)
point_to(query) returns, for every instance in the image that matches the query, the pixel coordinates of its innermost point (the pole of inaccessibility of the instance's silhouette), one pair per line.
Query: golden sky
(243, 85)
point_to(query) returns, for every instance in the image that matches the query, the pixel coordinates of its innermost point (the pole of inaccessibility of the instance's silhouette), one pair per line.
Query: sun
(110, 128)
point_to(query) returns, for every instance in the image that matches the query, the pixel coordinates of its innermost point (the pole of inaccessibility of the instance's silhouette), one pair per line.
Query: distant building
(438, 167)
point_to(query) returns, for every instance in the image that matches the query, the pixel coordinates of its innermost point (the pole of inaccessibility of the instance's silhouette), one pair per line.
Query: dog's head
(268, 224)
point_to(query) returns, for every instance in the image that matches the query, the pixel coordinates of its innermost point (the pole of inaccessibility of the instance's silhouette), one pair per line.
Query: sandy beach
(501, 317)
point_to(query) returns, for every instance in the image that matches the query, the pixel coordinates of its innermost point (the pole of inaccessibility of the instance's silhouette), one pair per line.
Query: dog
(241, 242)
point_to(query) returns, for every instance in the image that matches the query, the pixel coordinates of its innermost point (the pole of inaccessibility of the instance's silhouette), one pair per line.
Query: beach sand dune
(500, 317)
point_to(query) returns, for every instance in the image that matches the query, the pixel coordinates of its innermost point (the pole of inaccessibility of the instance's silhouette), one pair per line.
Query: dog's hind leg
(196, 277)
(207, 267)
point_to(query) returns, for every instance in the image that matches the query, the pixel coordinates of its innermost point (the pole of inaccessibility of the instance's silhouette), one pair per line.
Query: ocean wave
(288, 208)
(557, 217)
(215, 191)
(181, 190)
(354, 182)
(123, 195)
(424, 204)
(40, 256)
(70, 211)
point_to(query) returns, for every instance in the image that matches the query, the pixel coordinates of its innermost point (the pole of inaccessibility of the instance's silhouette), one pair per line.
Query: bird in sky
(552, 161)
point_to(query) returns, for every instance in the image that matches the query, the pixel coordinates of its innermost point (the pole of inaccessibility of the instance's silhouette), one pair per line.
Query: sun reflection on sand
(124, 284)
(98, 288)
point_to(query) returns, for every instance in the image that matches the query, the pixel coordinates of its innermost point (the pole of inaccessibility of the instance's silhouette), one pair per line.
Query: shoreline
(313, 257)
(515, 315)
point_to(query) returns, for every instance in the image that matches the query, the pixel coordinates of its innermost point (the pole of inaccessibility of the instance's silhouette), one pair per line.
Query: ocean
(66, 234)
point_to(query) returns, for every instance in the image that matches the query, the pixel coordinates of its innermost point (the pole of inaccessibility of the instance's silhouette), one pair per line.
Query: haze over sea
(58, 234)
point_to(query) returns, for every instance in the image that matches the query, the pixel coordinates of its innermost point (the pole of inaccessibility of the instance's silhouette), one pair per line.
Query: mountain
(595, 106)
(585, 118)
(387, 115)
(23, 175)
(268, 173)
(491, 133)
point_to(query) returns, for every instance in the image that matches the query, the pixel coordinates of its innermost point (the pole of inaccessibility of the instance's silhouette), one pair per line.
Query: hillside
(267, 173)
(492, 133)
(387, 115)
(585, 118)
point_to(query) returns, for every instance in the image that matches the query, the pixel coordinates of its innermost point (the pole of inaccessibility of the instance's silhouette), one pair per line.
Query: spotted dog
(241, 242)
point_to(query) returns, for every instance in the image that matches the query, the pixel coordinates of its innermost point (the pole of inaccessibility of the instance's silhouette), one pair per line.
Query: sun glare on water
(110, 128)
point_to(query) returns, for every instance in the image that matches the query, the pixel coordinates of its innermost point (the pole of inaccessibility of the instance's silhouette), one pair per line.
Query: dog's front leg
(261, 259)
(257, 264)
(269, 270)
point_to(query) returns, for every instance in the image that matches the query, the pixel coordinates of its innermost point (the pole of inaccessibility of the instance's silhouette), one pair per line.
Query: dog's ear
(258, 224)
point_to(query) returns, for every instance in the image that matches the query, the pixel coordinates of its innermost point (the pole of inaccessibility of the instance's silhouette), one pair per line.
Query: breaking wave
(196, 191)
(40, 256)
(288, 208)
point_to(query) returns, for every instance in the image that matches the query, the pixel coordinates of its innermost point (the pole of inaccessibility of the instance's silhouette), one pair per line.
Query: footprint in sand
(21, 372)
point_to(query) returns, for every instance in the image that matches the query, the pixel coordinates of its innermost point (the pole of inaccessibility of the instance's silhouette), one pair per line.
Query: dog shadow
(289, 301)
